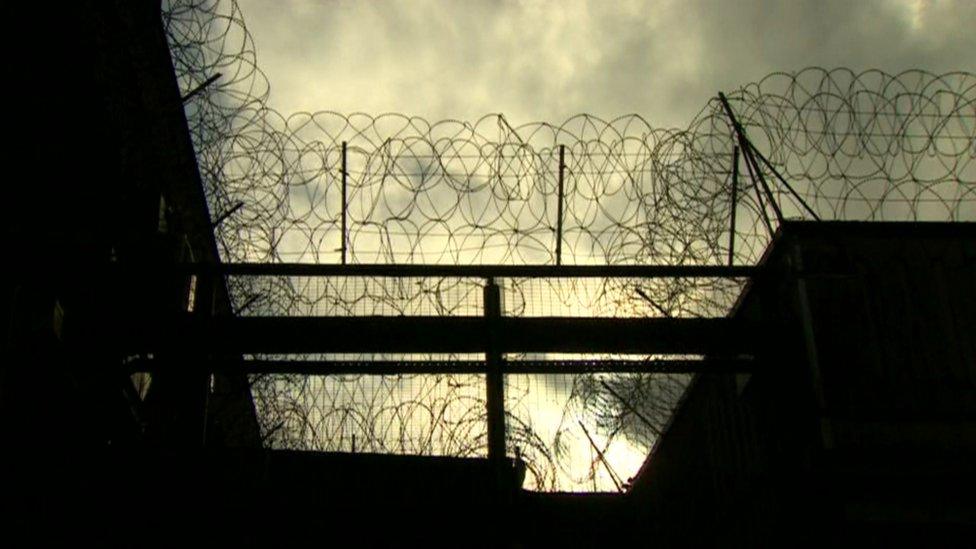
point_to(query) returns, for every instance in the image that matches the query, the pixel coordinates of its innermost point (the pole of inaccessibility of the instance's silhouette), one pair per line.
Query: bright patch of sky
(534, 60)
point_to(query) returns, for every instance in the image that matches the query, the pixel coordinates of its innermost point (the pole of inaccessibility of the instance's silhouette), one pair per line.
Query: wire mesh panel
(401, 414)
(619, 297)
(356, 296)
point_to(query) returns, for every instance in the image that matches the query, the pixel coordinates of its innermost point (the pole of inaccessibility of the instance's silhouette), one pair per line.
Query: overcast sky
(535, 60)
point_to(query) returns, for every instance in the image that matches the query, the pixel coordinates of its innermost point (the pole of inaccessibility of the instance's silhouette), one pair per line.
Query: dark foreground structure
(837, 405)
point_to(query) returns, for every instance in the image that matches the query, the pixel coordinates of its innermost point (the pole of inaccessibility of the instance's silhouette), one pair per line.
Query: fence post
(344, 203)
(754, 172)
(735, 190)
(494, 379)
(559, 211)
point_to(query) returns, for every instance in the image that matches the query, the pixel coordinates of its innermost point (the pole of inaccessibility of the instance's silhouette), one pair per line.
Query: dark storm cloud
(549, 60)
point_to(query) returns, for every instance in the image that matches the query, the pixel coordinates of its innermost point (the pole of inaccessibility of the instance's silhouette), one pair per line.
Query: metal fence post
(345, 205)
(559, 211)
(735, 190)
(494, 379)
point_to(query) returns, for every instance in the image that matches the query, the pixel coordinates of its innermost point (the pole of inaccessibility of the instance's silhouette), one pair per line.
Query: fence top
(475, 271)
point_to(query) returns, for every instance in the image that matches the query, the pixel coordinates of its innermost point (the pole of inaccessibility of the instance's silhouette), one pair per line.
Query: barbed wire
(393, 188)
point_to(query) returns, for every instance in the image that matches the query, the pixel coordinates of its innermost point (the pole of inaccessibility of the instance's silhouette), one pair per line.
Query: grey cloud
(540, 60)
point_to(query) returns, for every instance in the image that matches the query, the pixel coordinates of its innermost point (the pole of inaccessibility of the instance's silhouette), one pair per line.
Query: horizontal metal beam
(393, 367)
(660, 366)
(477, 271)
(316, 367)
(719, 336)
(297, 335)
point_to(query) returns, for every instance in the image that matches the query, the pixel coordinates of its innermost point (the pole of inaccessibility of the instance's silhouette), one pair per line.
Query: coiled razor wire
(852, 145)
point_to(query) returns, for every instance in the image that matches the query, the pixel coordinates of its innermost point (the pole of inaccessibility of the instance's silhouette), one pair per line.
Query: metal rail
(474, 271)
(299, 335)
(508, 367)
